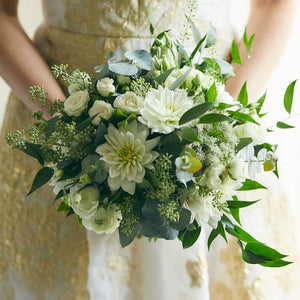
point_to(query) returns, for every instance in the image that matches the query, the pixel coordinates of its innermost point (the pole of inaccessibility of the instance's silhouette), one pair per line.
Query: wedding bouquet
(154, 146)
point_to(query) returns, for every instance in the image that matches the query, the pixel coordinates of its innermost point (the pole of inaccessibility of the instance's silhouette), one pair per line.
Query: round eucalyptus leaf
(141, 58)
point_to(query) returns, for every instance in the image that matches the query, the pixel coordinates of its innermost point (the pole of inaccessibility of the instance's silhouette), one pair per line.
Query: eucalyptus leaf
(155, 228)
(141, 58)
(184, 220)
(102, 70)
(226, 67)
(288, 97)
(41, 178)
(89, 160)
(196, 33)
(101, 175)
(149, 209)
(125, 239)
(123, 68)
(195, 112)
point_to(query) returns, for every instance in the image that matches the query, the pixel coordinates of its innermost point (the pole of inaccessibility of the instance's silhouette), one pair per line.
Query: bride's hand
(271, 21)
(21, 65)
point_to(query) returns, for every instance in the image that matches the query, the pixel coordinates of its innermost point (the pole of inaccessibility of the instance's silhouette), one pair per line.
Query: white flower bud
(102, 109)
(105, 87)
(76, 103)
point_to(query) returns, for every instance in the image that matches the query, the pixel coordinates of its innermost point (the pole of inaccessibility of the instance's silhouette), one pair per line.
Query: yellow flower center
(126, 154)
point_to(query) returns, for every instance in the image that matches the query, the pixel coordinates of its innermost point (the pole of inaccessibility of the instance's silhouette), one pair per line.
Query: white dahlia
(163, 109)
(127, 153)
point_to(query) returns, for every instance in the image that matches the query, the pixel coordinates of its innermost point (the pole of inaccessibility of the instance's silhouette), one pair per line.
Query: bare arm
(271, 21)
(20, 63)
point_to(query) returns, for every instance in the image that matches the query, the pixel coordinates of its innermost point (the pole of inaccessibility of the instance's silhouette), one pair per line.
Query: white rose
(104, 220)
(256, 132)
(102, 109)
(76, 103)
(79, 85)
(237, 169)
(85, 202)
(105, 87)
(129, 103)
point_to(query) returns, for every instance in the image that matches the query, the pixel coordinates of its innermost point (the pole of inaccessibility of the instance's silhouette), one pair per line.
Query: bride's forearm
(271, 21)
(20, 63)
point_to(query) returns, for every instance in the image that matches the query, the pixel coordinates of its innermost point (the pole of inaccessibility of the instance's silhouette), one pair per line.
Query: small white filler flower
(127, 153)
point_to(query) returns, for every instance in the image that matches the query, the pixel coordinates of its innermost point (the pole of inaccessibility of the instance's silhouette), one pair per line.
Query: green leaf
(170, 144)
(101, 175)
(196, 49)
(34, 151)
(196, 33)
(211, 37)
(260, 103)
(240, 233)
(125, 239)
(235, 212)
(190, 237)
(85, 123)
(51, 126)
(268, 253)
(243, 117)
(58, 196)
(221, 230)
(71, 171)
(100, 134)
(214, 233)
(240, 204)
(179, 80)
(195, 112)
(41, 178)
(150, 17)
(141, 58)
(283, 125)
(288, 97)
(189, 134)
(155, 228)
(63, 207)
(103, 71)
(163, 77)
(184, 220)
(243, 142)
(248, 43)
(249, 185)
(123, 68)
(276, 263)
(243, 95)
(213, 64)
(214, 118)
(226, 67)
(252, 258)
(212, 93)
(235, 54)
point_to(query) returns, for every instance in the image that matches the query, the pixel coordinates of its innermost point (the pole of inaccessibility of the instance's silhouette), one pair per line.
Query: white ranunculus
(127, 153)
(105, 87)
(203, 210)
(75, 104)
(102, 109)
(237, 169)
(129, 103)
(79, 85)
(163, 109)
(85, 202)
(251, 130)
(104, 220)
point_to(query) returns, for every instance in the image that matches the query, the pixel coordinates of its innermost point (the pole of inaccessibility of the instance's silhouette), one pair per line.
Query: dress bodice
(82, 32)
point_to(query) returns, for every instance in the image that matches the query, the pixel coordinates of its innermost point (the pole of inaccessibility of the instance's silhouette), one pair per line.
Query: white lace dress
(56, 262)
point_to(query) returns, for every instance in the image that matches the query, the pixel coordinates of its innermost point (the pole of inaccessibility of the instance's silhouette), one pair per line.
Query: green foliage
(283, 125)
(248, 43)
(249, 184)
(42, 177)
(243, 95)
(235, 54)
(190, 237)
(288, 97)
